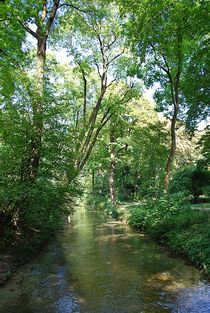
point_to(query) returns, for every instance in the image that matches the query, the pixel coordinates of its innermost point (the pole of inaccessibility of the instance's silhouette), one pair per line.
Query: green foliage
(195, 84)
(102, 203)
(192, 180)
(137, 217)
(204, 144)
(171, 221)
(194, 243)
(139, 152)
(94, 95)
(111, 209)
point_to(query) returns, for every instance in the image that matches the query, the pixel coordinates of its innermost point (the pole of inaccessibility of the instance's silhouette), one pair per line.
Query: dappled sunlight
(113, 237)
(166, 281)
(163, 276)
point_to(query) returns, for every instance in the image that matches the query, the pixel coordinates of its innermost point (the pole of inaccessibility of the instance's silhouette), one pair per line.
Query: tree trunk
(112, 168)
(41, 35)
(174, 83)
(93, 180)
(31, 160)
(172, 149)
(36, 140)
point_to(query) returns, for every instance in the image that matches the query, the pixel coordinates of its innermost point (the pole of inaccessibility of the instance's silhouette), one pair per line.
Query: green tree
(95, 42)
(129, 158)
(150, 25)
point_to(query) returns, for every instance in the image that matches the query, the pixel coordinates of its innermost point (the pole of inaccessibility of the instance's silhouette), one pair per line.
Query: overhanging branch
(27, 28)
(73, 7)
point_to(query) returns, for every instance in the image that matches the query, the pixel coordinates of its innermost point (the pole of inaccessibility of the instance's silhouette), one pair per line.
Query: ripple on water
(194, 300)
(66, 304)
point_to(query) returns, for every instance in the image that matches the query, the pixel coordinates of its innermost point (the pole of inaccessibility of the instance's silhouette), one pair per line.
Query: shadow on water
(100, 266)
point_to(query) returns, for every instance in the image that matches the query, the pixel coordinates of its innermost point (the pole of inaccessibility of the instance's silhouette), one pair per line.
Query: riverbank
(184, 229)
(21, 250)
(181, 227)
(99, 265)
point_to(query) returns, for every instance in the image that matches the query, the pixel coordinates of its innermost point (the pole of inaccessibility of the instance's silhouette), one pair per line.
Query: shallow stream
(97, 265)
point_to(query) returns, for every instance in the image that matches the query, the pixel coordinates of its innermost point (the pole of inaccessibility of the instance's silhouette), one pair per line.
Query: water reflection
(100, 266)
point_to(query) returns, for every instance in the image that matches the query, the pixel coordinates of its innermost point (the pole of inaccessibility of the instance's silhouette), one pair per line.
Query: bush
(35, 212)
(171, 220)
(137, 217)
(193, 180)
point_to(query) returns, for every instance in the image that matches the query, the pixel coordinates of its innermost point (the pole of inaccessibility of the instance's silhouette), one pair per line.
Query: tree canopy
(87, 116)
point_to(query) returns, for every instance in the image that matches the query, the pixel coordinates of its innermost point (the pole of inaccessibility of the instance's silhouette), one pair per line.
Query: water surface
(98, 265)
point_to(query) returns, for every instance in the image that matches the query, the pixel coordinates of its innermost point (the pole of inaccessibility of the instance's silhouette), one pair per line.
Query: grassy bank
(183, 227)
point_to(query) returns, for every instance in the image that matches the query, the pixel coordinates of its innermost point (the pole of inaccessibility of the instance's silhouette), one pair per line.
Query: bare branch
(52, 16)
(85, 94)
(114, 80)
(98, 68)
(93, 133)
(27, 28)
(73, 7)
(115, 57)
(88, 151)
(167, 69)
(107, 47)
(165, 61)
(102, 52)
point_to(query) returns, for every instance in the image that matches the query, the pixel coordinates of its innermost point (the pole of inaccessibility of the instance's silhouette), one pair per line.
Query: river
(97, 265)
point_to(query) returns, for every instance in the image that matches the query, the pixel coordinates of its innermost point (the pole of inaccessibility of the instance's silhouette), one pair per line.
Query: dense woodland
(74, 122)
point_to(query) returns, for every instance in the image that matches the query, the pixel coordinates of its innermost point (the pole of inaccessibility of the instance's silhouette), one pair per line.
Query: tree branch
(111, 83)
(73, 7)
(98, 68)
(85, 94)
(167, 69)
(89, 148)
(44, 11)
(27, 28)
(101, 44)
(111, 43)
(116, 56)
(52, 16)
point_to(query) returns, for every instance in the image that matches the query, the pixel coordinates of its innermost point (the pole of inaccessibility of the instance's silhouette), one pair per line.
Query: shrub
(193, 180)
(172, 221)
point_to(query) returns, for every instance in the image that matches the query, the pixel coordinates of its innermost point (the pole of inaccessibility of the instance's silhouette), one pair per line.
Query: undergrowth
(172, 221)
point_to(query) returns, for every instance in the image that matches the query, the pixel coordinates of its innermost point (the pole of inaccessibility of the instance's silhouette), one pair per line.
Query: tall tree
(151, 25)
(129, 157)
(95, 42)
(44, 16)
